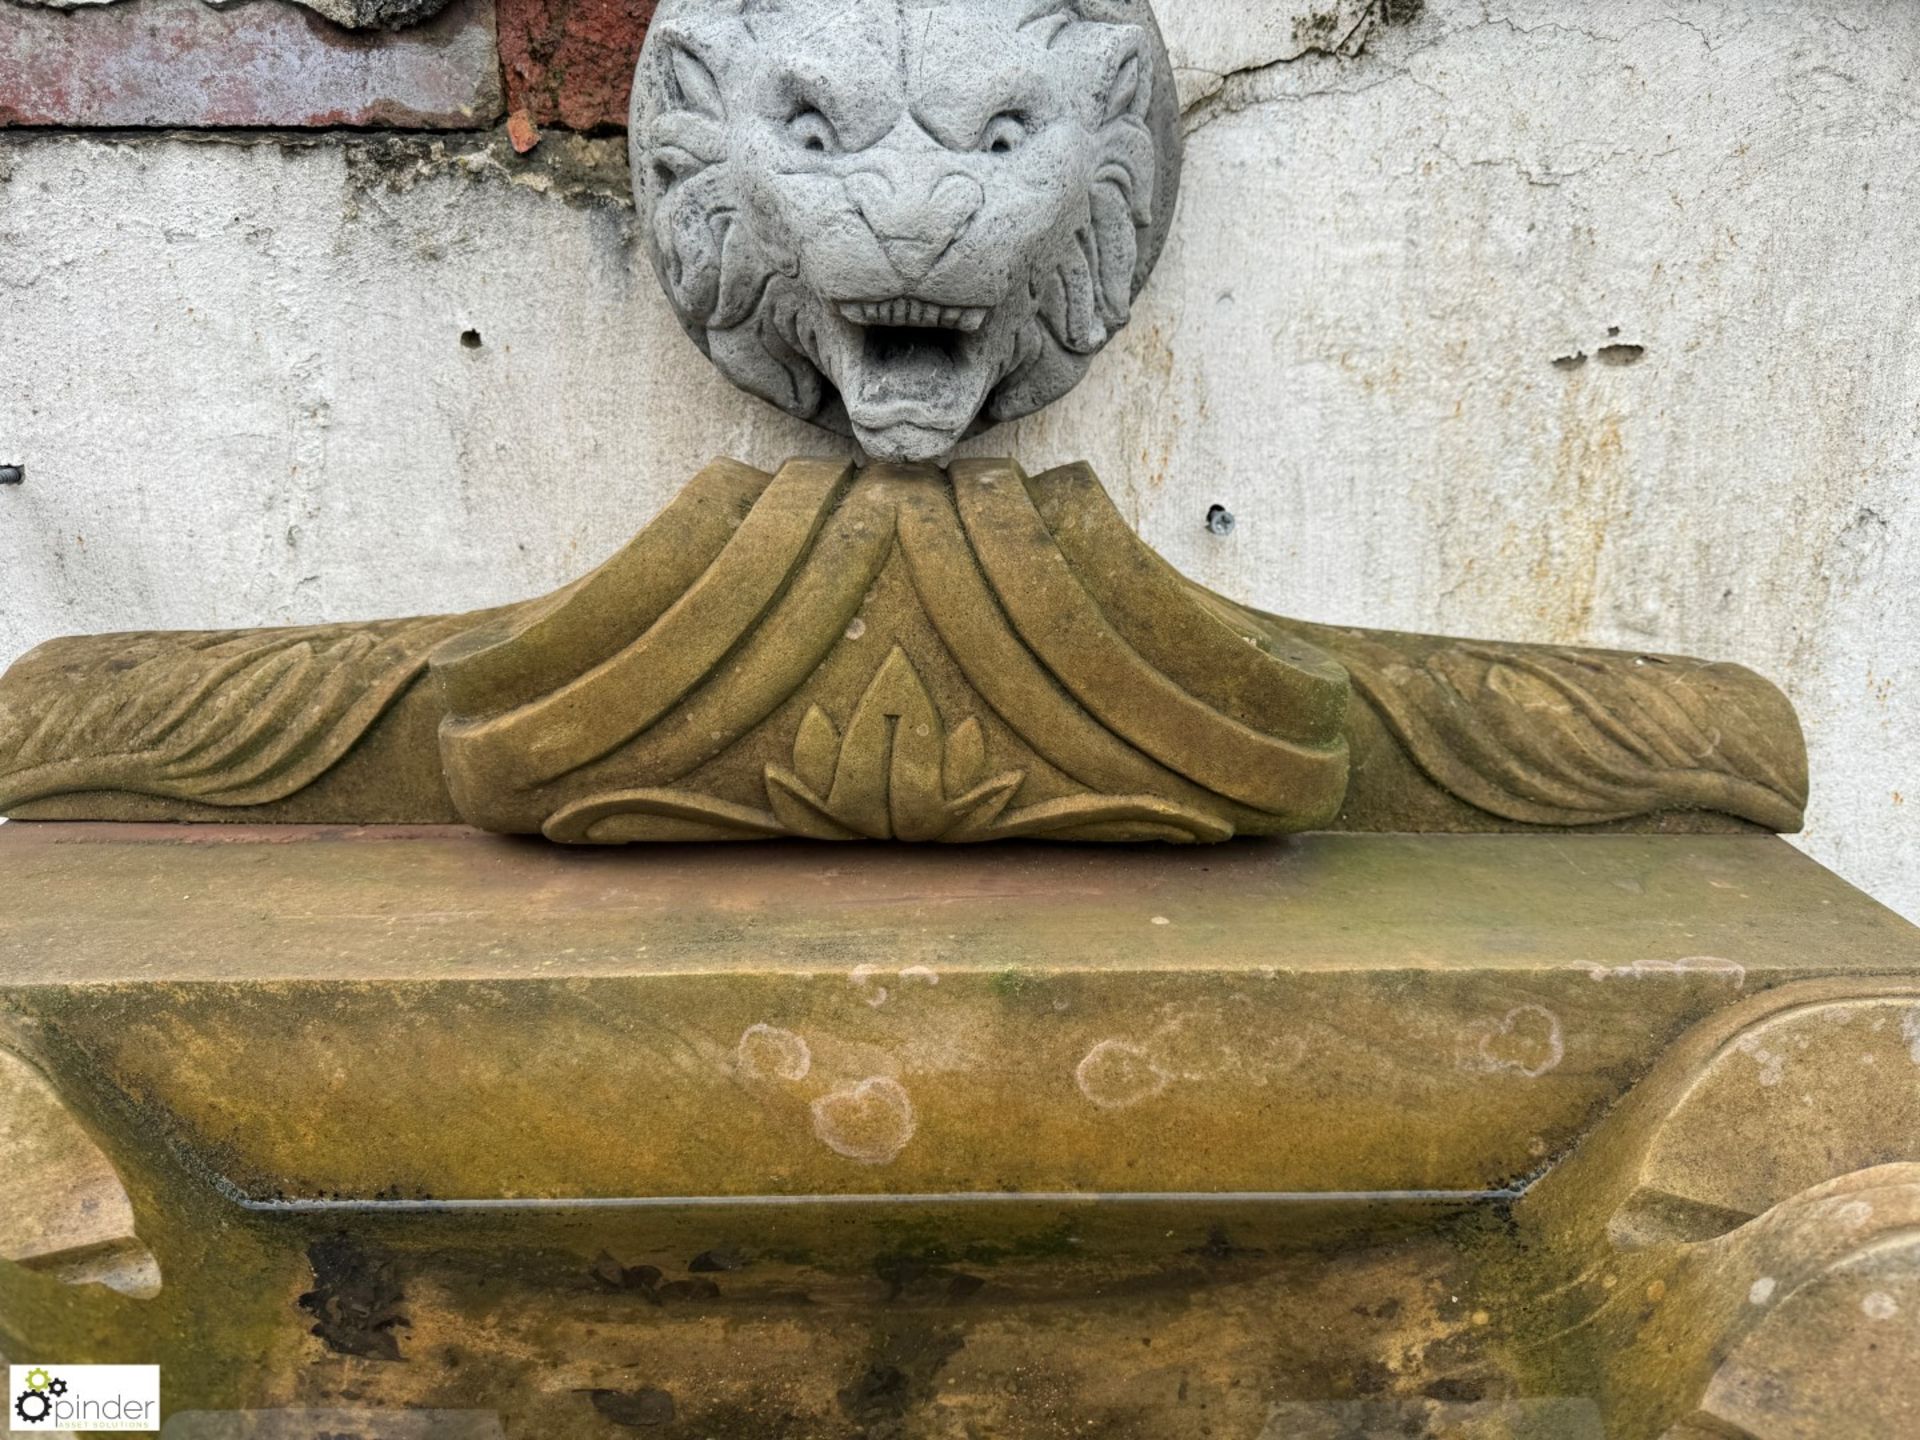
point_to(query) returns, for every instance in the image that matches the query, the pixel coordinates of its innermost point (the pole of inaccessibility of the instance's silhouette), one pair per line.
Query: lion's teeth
(921, 314)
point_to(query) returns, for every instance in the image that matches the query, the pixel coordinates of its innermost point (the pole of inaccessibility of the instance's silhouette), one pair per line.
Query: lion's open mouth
(912, 373)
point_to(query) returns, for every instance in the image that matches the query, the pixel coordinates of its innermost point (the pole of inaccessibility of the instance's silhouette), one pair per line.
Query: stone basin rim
(870, 1200)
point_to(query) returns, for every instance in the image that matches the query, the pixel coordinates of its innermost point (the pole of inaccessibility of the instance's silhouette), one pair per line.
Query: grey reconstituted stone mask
(906, 219)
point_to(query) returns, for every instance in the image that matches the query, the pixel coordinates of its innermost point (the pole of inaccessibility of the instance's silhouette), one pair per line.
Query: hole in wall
(470, 339)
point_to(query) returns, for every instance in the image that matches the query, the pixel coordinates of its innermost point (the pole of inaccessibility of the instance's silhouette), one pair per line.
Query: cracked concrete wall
(1525, 318)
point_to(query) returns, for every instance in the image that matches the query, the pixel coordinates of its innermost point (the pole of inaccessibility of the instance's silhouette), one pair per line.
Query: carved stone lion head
(907, 219)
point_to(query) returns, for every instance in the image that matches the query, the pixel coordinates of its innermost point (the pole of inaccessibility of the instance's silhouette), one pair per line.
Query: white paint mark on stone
(1714, 965)
(1910, 1032)
(856, 627)
(862, 978)
(1761, 1290)
(1879, 1306)
(1772, 1065)
(766, 1052)
(1854, 1213)
(920, 973)
(1527, 1040)
(870, 1121)
(1116, 1074)
(1161, 920)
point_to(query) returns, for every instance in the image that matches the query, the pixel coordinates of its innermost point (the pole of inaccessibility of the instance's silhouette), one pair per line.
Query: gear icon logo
(35, 1403)
(33, 1406)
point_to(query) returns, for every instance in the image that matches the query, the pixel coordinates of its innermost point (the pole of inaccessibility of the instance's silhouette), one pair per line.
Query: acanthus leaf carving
(893, 775)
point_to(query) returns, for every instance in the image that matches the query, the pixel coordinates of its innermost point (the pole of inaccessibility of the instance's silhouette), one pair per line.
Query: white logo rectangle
(43, 1398)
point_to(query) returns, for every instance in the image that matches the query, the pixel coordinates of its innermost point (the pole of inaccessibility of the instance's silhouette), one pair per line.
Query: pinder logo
(83, 1397)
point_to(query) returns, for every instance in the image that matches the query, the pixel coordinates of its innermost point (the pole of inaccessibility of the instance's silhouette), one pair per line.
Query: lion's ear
(1127, 89)
(690, 82)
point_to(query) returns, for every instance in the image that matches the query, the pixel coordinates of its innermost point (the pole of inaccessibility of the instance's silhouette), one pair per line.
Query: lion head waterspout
(902, 219)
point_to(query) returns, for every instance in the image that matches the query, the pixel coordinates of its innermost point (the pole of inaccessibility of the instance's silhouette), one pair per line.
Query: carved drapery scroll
(890, 653)
(1551, 735)
(227, 719)
(893, 653)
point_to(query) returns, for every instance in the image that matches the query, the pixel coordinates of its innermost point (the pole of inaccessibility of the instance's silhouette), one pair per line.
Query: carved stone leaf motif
(1552, 736)
(228, 718)
(896, 774)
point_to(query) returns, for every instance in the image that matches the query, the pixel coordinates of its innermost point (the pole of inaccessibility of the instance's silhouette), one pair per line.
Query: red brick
(179, 62)
(522, 132)
(570, 62)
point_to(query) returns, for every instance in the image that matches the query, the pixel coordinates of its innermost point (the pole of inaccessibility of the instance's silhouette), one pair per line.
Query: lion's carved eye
(1004, 134)
(812, 131)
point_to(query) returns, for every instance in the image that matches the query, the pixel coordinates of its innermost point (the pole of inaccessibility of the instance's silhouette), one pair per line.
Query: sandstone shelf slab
(430, 1131)
(313, 1013)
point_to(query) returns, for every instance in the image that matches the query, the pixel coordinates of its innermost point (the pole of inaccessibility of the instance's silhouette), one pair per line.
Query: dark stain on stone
(925, 1277)
(635, 1408)
(1219, 1247)
(1317, 28)
(356, 1299)
(1402, 12)
(719, 1260)
(902, 1272)
(612, 1275)
(647, 1280)
(701, 1289)
(897, 1380)
(1456, 1390)
(1368, 1378)
(760, 1418)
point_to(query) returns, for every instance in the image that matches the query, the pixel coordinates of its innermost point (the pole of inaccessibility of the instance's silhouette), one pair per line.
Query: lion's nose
(915, 224)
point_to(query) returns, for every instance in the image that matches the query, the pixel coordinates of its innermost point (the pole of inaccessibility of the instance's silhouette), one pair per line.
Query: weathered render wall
(1529, 318)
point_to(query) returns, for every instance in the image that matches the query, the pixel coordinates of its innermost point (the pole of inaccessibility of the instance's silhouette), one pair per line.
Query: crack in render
(1221, 98)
